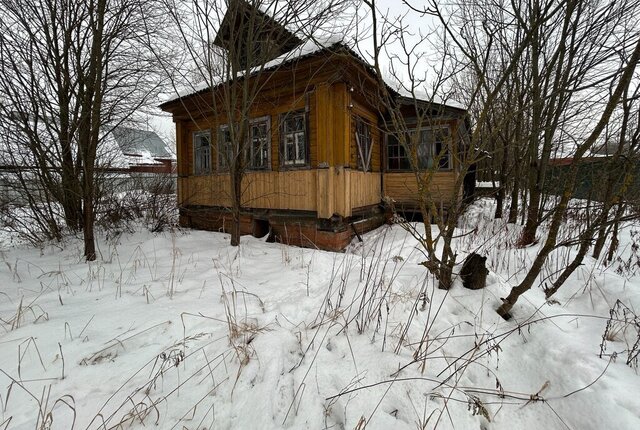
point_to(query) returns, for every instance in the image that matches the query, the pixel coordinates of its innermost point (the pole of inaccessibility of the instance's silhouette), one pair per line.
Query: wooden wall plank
(365, 189)
(340, 124)
(324, 135)
(402, 187)
(295, 190)
(326, 187)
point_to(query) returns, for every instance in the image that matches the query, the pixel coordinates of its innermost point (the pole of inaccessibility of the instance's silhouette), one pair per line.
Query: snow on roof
(122, 147)
(125, 146)
(136, 141)
(423, 96)
(307, 48)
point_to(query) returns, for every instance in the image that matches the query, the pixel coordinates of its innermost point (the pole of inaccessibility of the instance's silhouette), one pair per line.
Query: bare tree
(427, 92)
(71, 71)
(536, 79)
(567, 55)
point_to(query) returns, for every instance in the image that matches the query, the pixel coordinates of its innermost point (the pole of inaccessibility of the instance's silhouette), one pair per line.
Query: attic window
(201, 152)
(294, 140)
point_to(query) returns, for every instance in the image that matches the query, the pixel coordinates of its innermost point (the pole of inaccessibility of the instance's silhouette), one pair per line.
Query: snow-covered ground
(181, 331)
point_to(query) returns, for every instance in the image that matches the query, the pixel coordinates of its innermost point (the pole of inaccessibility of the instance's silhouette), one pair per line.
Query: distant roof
(566, 161)
(135, 141)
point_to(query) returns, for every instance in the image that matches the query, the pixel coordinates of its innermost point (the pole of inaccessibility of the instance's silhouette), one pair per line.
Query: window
(432, 150)
(396, 154)
(225, 148)
(256, 151)
(294, 140)
(201, 152)
(363, 144)
(259, 147)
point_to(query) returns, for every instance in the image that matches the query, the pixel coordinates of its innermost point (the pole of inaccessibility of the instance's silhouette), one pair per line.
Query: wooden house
(320, 157)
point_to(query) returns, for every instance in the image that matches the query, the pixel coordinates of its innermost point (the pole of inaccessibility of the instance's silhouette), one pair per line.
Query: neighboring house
(592, 176)
(143, 148)
(319, 161)
(139, 159)
(128, 159)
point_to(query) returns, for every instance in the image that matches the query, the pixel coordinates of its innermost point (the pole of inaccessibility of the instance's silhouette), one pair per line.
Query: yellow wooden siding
(341, 190)
(326, 205)
(327, 191)
(403, 188)
(295, 190)
(322, 119)
(340, 125)
(365, 189)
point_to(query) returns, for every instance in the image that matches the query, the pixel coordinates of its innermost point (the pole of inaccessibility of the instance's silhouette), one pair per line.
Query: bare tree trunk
(90, 135)
(448, 260)
(88, 228)
(499, 202)
(236, 196)
(613, 175)
(528, 235)
(517, 139)
(614, 235)
(601, 239)
(502, 178)
(513, 206)
(585, 244)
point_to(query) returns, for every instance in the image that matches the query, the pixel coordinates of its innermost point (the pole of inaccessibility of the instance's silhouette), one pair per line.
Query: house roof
(119, 148)
(140, 142)
(307, 49)
(297, 51)
(316, 47)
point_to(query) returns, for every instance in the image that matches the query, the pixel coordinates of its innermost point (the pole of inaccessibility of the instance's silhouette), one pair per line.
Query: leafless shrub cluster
(623, 326)
(154, 202)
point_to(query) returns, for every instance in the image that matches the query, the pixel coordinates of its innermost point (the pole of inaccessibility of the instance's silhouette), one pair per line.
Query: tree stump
(474, 272)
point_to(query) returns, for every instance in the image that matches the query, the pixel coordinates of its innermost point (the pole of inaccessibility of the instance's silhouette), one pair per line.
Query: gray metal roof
(134, 141)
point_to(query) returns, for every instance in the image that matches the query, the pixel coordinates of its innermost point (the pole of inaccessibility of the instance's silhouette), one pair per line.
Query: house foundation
(296, 228)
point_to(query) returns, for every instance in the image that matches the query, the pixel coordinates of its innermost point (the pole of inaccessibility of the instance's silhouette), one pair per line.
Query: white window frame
(296, 139)
(264, 147)
(201, 154)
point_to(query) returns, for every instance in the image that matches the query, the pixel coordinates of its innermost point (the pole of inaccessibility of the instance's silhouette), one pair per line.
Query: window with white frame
(294, 140)
(202, 152)
(363, 144)
(260, 144)
(225, 147)
(432, 150)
